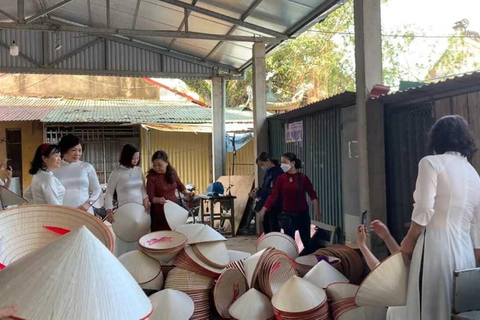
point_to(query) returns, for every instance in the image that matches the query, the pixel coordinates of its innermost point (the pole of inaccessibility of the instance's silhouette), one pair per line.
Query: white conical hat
(341, 291)
(26, 229)
(131, 222)
(323, 274)
(253, 305)
(298, 295)
(143, 268)
(212, 253)
(279, 241)
(238, 255)
(230, 286)
(364, 313)
(251, 266)
(74, 277)
(386, 285)
(174, 214)
(171, 304)
(198, 233)
(9, 198)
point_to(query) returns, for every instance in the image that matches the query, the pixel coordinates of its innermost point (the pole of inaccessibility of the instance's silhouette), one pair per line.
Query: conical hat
(253, 305)
(238, 255)
(251, 266)
(174, 214)
(279, 241)
(341, 291)
(323, 274)
(28, 228)
(9, 198)
(199, 262)
(198, 233)
(57, 282)
(230, 286)
(212, 253)
(386, 285)
(363, 313)
(131, 222)
(171, 304)
(142, 268)
(298, 295)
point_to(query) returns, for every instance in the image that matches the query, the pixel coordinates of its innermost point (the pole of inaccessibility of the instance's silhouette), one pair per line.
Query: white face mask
(286, 167)
(264, 168)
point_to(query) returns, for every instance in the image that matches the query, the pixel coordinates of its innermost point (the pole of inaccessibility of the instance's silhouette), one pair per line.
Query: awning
(199, 128)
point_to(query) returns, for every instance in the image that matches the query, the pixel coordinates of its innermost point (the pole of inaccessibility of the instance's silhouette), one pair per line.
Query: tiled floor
(242, 243)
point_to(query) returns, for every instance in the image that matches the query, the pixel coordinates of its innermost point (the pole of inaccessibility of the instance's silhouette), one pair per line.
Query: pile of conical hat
(253, 305)
(131, 222)
(174, 214)
(196, 286)
(230, 286)
(351, 263)
(300, 299)
(323, 275)
(279, 241)
(268, 270)
(171, 304)
(206, 253)
(144, 269)
(237, 259)
(306, 263)
(26, 229)
(386, 285)
(340, 291)
(57, 282)
(163, 246)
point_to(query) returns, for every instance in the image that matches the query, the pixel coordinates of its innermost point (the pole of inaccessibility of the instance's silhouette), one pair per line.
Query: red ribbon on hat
(57, 230)
(44, 147)
(2, 266)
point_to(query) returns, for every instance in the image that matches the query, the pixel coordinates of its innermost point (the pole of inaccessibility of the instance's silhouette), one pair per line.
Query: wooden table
(218, 216)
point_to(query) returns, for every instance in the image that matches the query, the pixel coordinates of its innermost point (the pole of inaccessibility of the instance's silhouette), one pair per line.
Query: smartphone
(364, 218)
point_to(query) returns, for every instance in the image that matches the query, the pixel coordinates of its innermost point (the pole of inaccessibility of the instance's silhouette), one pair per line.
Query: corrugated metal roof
(15, 109)
(340, 100)
(462, 82)
(286, 17)
(117, 111)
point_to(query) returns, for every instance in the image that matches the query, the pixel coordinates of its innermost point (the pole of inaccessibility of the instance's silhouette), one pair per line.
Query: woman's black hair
(171, 173)
(265, 156)
(43, 150)
(126, 156)
(451, 133)
(293, 158)
(68, 142)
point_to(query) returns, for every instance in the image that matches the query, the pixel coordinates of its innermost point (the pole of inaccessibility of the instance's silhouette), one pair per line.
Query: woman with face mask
(293, 186)
(45, 188)
(79, 178)
(162, 184)
(272, 170)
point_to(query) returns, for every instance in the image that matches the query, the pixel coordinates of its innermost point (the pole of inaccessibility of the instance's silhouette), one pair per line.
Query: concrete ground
(242, 243)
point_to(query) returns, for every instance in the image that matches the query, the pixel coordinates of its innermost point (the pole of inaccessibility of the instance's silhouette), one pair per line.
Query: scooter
(193, 204)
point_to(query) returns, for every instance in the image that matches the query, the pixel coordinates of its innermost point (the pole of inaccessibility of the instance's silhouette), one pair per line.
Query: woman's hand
(84, 207)
(407, 246)
(253, 194)
(361, 235)
(8, 173)
(110, 216)
(8, 312)
(380, 229)
(160, 200)
(146, 204)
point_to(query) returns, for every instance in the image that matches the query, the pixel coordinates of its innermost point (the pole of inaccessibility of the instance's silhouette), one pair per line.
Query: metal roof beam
(135, 16)
(108, 13)
(143, 33)
(8, 15)
(21, 10)
(47, 11)
(226, 18)
(244, 16)
(183, 24)
(74, 52)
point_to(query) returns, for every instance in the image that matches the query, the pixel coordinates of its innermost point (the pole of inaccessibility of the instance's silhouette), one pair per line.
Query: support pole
(368, 64)
(21, 11)
(218, 127)
(260, 125)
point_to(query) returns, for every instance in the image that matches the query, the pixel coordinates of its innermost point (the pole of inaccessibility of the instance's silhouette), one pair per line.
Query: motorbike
(192, 205)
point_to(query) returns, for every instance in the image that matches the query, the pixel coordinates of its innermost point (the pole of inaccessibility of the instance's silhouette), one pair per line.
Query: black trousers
(291, 222)
(270, 222)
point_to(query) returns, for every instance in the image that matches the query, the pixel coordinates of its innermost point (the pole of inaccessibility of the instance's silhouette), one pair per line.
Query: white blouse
(81, 183)
(45, 189)
(129, 184)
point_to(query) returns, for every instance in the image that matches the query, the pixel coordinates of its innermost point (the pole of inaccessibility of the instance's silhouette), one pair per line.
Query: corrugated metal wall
(103, 56)
(320, 152)
(244, 160)
(189, 153)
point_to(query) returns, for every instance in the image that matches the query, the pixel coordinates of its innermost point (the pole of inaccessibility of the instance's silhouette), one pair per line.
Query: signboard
(294, 132)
